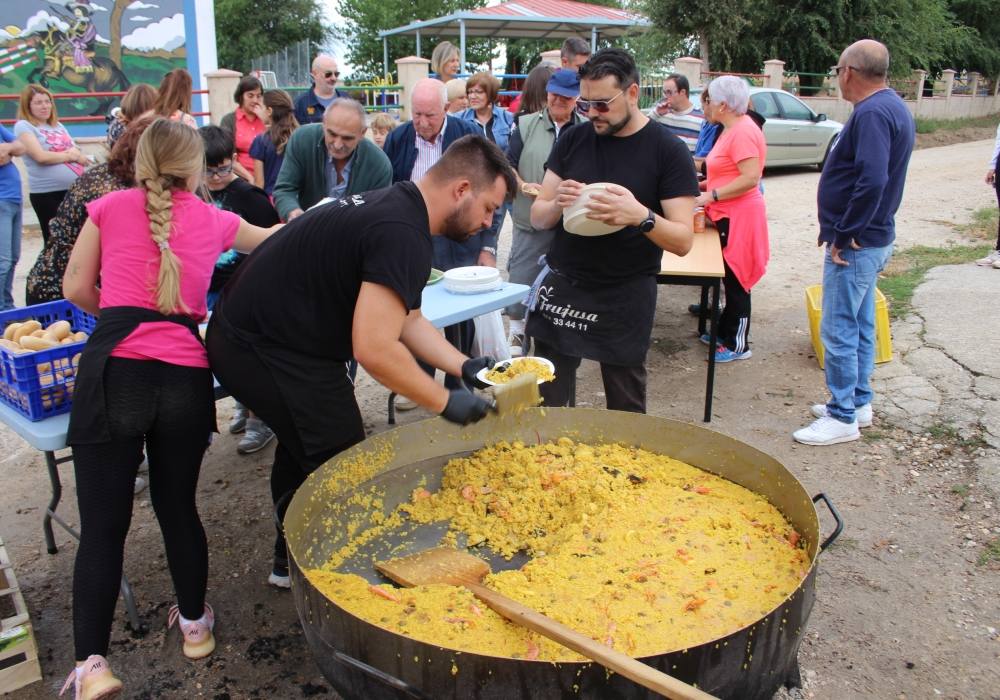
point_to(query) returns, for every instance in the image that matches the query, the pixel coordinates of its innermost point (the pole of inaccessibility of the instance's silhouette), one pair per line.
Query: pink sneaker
(198, 639)
(93, 680)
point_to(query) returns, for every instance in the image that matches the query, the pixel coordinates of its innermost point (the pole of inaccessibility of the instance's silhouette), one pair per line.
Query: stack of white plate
(575, 217)
(472, 280)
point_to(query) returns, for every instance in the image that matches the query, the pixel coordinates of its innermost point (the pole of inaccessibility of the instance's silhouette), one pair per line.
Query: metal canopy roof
(534, 19)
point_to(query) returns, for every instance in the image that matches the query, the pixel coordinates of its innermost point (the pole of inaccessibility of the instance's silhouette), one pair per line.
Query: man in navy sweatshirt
(859, 192)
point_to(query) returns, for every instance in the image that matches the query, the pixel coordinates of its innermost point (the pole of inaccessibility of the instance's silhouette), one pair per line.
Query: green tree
(981, 51)
(246, 29)
(366, 18)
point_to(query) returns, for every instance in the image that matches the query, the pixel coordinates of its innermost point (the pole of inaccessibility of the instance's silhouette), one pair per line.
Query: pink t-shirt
(130, 263)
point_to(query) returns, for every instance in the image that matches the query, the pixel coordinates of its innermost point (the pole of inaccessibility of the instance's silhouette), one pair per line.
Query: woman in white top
(991, 179)
(51, 158)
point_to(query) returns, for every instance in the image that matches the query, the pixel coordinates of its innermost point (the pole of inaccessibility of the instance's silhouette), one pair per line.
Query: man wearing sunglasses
(596, 297)
(310, 106)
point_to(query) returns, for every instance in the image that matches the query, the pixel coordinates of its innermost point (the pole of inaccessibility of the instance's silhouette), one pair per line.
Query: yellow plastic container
(883, 338)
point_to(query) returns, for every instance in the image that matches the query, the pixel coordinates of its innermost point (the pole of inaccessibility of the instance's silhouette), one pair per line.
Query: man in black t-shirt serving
(345, 280)
(597, 296)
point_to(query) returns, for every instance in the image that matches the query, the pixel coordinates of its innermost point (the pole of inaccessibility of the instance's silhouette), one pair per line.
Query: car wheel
(829, 147)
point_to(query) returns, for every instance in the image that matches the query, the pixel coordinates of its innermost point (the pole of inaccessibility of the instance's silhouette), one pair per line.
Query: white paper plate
(474, 279)
(481, 374)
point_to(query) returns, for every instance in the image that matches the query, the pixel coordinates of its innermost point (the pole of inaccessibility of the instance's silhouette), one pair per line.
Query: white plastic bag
(490, 338)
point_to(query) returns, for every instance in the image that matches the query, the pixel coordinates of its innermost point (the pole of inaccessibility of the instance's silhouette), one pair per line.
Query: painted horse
(106, 76)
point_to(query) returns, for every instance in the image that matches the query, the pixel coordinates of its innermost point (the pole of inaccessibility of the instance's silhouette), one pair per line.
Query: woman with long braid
(144, 381)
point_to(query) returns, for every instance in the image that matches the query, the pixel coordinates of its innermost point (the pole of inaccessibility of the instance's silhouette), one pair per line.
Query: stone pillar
(410, 70)
(690, 67)
(775, 72)
(948, 76)
(974, 79)
(221, 84)
(919, 76)
(553, 58)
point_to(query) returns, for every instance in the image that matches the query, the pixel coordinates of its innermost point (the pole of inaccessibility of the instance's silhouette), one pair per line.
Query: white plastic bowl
(474, 279)
(575, 216)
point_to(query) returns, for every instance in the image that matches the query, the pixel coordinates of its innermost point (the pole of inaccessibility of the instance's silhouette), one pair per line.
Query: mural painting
(88, 46)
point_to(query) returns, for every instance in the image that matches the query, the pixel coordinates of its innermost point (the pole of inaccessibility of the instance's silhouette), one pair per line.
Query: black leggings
(624, 387)
(165, 407)
(250, 382)
(734, 321)
(45, 205)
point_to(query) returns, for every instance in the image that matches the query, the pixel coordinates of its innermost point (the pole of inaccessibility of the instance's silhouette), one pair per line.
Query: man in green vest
(529, 147)
(331, 159)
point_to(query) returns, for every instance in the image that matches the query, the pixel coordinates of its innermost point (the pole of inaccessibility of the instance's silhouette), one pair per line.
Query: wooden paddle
(455, 568)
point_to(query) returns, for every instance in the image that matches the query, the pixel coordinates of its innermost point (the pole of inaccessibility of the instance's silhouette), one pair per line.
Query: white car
(795, 134)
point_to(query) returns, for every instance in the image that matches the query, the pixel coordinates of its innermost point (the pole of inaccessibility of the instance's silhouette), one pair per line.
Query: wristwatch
(649, 222)
(489, 249)
(715, 195)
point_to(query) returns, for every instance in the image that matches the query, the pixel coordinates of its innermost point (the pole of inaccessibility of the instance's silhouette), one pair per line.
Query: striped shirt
(686, 124)
(427, 153)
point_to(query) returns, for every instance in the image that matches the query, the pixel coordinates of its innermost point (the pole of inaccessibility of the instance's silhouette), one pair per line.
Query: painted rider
(81, 35)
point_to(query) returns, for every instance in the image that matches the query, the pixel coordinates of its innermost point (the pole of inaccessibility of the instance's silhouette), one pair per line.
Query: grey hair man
(574, 52)
(859, 193)
(311, 105)
(332, 159)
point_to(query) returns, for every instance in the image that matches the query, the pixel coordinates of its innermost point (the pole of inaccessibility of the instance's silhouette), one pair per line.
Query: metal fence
(290, 65)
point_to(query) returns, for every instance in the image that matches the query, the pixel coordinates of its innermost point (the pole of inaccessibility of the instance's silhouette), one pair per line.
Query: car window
(763, 104)
(792, 108)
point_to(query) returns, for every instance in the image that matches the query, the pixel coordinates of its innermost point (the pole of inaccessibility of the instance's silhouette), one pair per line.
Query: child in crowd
(252, 204)
(144, 379)
(380, 126)
(268, 148)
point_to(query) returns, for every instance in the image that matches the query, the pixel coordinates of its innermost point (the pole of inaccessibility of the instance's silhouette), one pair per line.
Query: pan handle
(384, 678)
(836, 516)
(279, 510)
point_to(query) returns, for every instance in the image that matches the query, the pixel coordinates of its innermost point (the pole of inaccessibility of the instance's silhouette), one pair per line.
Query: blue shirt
(336, 190)
(706, 139)
(10, 178)
(263, 149)
(862, 182)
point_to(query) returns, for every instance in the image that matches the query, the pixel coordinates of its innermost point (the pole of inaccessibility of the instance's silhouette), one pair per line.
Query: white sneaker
(862, 414)
(827, 431)
(279, 581)
(405, 404)
(992, 259)
(996, 264)
(140, 485)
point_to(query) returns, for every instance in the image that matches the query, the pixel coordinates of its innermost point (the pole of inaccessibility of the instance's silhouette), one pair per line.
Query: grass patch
(929, 126)
(907, 269)
(990, 553)
(983, 224)
(873, 436)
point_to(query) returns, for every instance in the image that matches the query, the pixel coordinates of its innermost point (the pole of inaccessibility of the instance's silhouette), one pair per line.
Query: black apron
(610, 324)
(88, 422)
(318, 391)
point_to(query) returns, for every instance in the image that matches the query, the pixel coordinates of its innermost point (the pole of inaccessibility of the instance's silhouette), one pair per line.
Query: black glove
(472, 366)
(464, 407)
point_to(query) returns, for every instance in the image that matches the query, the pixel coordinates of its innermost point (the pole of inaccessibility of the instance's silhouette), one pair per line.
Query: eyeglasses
(602, 106)
(221, 171)
(331, 74)
(669, 93)
(836, 69)
(475, 91)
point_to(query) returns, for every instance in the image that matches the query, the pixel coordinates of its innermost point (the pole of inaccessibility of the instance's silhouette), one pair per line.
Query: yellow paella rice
(639, 551)
(503, 373)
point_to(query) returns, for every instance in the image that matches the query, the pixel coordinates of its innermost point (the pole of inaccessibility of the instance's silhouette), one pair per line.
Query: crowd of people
(162, 233)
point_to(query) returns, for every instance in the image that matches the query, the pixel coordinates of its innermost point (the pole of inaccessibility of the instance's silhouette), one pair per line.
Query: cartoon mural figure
(81, 36)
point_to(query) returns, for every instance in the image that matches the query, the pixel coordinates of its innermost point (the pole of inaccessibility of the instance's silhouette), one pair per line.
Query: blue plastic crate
(40, 384)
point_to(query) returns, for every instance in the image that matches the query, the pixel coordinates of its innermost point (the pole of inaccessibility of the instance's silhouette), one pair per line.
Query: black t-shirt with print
(298, 290)
(652, 163)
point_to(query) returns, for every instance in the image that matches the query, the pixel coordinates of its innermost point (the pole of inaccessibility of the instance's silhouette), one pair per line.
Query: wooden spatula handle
(644, 675)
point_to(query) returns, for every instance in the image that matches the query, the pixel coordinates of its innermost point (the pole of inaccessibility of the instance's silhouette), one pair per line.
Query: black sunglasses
(331, 74)
(601, 106)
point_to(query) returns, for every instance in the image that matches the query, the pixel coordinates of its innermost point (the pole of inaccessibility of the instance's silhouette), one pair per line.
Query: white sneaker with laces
(827, 431)
(992, 259)
(863, 414)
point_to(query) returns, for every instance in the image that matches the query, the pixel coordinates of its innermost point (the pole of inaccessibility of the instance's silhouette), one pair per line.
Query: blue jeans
(848, 327)
(10, 249)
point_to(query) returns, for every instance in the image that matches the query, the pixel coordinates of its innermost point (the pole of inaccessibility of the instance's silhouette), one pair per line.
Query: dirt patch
(946, 137)
(903, 607)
